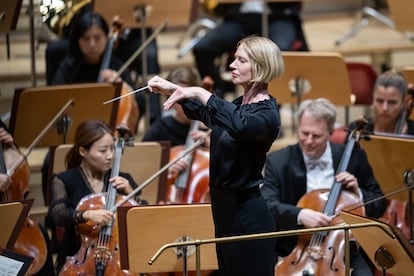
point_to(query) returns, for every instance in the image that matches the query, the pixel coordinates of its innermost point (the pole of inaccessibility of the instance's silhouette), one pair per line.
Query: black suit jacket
(285, 183)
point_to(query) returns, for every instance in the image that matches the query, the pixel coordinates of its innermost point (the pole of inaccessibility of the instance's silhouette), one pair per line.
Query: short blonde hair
(265, 58)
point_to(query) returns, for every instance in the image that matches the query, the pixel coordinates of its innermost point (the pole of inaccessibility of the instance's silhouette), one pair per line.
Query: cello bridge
(315, 253)
(102, 254)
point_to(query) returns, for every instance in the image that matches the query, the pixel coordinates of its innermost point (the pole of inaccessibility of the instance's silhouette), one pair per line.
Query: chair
(362, 77)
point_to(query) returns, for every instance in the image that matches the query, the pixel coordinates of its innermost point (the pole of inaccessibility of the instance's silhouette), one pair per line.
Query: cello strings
(139, 90)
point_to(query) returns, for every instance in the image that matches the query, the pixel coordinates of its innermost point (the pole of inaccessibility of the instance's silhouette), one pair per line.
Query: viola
(98, 254)
(323, 252)
(30, 241)
(191, 185)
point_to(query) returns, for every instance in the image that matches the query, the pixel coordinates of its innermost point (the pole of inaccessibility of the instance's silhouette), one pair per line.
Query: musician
(6, 141)
(390, 107)
(242, 133)
(289, 176)
(241, 20)
(175, 126)
(89, 165)
(6, 182)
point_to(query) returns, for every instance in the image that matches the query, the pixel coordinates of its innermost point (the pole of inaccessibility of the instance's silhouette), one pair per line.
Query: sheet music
(9, 266)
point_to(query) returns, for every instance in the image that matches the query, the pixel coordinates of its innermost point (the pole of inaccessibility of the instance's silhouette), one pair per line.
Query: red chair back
(362, 77)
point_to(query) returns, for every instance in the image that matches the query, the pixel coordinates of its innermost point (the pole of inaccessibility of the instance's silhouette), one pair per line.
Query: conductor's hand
(100, 216)
(159, 85)
(310, 218)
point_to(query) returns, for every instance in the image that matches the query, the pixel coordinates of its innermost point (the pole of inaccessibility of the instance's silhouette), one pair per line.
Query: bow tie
(316, 163)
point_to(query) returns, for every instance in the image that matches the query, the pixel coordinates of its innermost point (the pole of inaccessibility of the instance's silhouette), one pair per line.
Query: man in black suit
(312, 163)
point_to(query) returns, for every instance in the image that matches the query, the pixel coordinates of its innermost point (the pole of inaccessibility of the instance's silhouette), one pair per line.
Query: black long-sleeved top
(241, 136)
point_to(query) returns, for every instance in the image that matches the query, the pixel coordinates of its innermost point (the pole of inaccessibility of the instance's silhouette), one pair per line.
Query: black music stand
(391, 158)
(386, 246)
(312, 75)
(145, 229)
(33, 108)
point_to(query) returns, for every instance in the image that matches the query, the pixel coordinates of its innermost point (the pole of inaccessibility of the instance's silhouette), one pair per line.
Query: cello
(191, 185)
(128, 110)
(98, 254)
(322, 252)
(30, 241)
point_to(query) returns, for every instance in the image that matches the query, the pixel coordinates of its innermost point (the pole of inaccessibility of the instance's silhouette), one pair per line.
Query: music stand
(390, 158)
(33, 108)
(389, 250)
(13, 215)
(401, 15)
(312, 75)
(145, 229)
(178, 12)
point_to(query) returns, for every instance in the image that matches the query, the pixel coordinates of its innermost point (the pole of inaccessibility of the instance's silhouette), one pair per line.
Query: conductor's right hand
(159, 85)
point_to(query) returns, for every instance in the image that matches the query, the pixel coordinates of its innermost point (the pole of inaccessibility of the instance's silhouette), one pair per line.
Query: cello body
(325, 257)
(83, 263)
(197, 189)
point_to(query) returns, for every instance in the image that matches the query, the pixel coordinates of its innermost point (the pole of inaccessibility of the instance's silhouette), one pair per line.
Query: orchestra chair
(339, 135)
(362, 77)
(141, 160)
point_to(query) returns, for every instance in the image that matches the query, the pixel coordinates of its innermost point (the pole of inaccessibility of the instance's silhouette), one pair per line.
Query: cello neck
(182, 178)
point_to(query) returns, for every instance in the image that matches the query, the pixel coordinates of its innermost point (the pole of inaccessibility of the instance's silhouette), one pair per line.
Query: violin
(98, 254)
(191, 185)
(322, 253)
(30, 241)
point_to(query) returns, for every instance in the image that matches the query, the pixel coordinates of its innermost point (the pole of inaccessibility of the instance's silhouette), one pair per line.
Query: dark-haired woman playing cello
(89, 164)
(311, 164)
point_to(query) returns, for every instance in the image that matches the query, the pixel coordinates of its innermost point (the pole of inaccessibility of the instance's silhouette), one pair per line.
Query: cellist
(391, 106)
(88, 164)
(8, 193)
(294, 171)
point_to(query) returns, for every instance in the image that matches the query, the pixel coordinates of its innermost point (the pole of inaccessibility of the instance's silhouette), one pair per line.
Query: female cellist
(310, 165)
(89, 165)
(88, 61)
(33, 240)
(391, 106)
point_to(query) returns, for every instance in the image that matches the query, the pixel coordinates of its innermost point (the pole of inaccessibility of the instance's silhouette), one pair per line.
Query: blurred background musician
(177, 128)
(89, 165)
(241, 20)
(391, 106)
(128, 41)
(289, 176)
(34, 241)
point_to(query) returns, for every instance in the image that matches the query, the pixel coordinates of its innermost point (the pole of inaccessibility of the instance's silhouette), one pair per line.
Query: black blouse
(241, 136)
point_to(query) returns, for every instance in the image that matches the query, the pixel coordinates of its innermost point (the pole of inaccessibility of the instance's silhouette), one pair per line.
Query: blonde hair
(265, 58)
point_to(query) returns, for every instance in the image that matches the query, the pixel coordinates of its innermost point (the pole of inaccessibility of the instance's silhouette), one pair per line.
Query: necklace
(96, 184)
